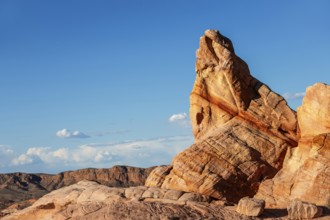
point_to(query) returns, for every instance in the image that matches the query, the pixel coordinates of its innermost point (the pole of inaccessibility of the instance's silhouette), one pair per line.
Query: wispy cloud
(6, 153)
(5, 150)
(141, 153)
(181, 119)
(292, 96)
(65, 133)
(106, 133)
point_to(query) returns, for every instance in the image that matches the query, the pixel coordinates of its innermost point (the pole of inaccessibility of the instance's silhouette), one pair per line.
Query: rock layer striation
(242, 128)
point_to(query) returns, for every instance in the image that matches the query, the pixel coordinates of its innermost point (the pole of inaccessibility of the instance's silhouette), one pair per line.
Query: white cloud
(6, 154)
(292, 96)
(5, 150)
(106, 133)
(140, 153)
(62, 154)
(182, 119)
(23, 159)
(178, 117)
(65, 133)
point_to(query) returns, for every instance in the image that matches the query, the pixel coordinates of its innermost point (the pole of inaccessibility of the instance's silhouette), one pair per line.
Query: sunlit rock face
(224, 89)
(306, 171)
(314, 114)
(242, 129)
(87, 200)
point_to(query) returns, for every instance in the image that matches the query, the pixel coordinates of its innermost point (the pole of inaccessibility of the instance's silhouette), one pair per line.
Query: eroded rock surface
(250, 206)
(242, 129)
(306, 171)
(89, 200)
(299, 210)
(225, 89)
(314, 114)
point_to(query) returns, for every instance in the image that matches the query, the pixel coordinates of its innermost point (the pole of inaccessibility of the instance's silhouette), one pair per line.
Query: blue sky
(98, 83)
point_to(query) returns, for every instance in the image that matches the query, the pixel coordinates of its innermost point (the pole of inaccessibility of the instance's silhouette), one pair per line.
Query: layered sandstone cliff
(242, 128)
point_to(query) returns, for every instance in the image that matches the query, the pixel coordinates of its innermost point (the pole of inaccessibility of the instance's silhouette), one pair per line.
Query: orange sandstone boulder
(314, 114)
(306, 171)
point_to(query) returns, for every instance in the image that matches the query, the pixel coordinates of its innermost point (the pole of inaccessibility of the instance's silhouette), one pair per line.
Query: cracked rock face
(306, 171)
(242, 129)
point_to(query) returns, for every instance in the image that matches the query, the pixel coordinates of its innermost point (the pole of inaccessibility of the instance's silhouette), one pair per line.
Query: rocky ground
(90, 200)
(22, 188)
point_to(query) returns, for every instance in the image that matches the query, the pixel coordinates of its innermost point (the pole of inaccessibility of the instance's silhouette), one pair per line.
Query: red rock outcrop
(306, 171)
(242, 129)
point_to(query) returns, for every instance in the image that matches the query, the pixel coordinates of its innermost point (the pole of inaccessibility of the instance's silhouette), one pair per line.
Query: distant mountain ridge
(17, 187)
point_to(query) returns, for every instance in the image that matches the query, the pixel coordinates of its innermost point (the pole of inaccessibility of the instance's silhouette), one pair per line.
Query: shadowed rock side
(306, 171)
(16, 187)
(242, 129)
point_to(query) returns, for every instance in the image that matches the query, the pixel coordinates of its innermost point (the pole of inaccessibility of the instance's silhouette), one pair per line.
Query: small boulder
(134, 192)
(194, 197)
(250, 206)
(154, 192)
(173, 194)
(303, 210)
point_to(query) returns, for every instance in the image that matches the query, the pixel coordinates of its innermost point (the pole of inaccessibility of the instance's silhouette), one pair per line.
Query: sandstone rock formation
(16, 187)
(306, 171)
(89, 200)
(247, 141)
(242, 129)
(250, 206)
(299, 210)
(314, 114)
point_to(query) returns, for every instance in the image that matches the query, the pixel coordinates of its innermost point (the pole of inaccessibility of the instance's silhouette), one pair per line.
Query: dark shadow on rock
(274, 213)
(326, 211)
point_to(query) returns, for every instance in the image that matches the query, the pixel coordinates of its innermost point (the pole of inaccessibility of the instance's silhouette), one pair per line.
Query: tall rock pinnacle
(242, 129)
(224, 88)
